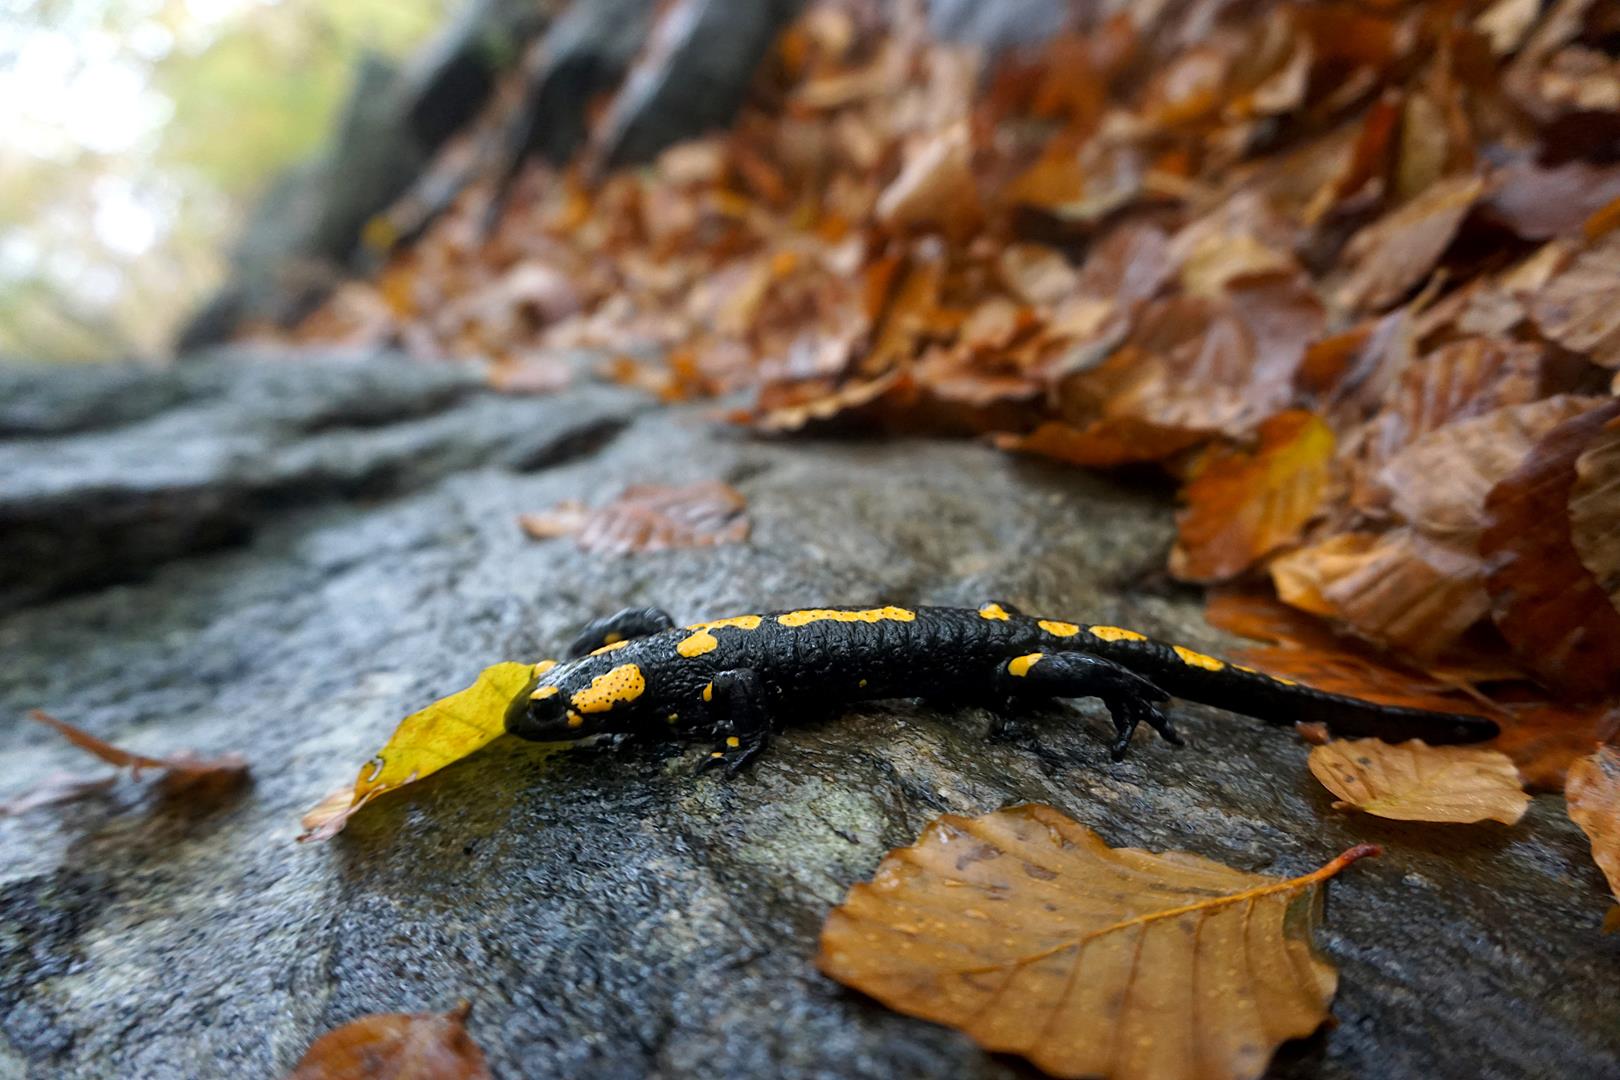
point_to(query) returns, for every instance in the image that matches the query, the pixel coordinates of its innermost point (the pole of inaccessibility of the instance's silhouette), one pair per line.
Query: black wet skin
(732, 689)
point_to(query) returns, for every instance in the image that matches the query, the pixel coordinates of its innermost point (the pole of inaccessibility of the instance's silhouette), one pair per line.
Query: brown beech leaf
(1190, 969)
(1399, 588)
(1594, 509)
(1241, 506)
(1439, 482)
(1593, 791)
(848, 399)
(1413, 781)
(1577, 308)
(1539, 202)
(1105, 444)
(648, 517)
(1547, 605)
(1399, 250)
(396, 1046)
(182, 775)
(936, 187)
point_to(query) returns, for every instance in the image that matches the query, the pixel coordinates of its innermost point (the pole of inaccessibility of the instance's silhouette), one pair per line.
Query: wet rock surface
(616, 914)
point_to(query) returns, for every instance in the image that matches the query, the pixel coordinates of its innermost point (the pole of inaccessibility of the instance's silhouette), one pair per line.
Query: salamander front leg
(736, 701)
(620, 626)
(1131, 700)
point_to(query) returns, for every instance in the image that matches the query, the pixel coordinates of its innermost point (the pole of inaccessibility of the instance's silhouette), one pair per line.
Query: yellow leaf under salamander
(425, 742)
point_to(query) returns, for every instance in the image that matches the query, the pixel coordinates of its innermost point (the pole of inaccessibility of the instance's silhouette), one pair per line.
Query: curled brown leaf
(396, 1046)
(648, 517)
(1593, 792)
(1412, 781)
(1544, 601)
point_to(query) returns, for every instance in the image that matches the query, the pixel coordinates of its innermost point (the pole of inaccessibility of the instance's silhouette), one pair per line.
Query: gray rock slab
(614, 914)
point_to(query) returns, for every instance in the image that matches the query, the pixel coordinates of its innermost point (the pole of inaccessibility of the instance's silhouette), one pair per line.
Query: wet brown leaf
(1192, 969)
(396, 1046)
(648, 517)
(1399, 250)
(1401, 588)
(936, 187)
(1594, 510)
(182, 775)
(1577, 308)
(1593, 792)
(1241, 506)
(1413, 781)
(1549, 608)
(1540, 202)
(1439, 482)
(1109, 443)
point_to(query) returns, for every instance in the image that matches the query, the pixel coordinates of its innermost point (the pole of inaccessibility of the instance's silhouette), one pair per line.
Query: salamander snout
(542, 713)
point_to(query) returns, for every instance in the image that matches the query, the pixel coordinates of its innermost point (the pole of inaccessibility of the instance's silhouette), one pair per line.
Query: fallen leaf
(425, 742)
(1544, 601)
(1400, 588)
(396, 1046)
(1242, 505)
(1397, 251)
(1440, 481)
(1191, 969)
(648, 517)
(1539, 202)
(936, 187)
(1108, 443)
(1593, 791)
(1413, 781)
(183, 774)
(842, 402)
(1594, 510)
(1577, 307)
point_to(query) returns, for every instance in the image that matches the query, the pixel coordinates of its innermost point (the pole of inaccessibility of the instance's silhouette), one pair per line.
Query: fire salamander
(725, 679)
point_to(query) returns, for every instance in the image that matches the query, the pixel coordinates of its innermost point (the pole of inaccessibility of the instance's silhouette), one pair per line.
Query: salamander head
(576, 700)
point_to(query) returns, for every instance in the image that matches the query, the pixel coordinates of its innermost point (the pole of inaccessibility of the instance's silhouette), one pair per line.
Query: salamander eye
(542, 714)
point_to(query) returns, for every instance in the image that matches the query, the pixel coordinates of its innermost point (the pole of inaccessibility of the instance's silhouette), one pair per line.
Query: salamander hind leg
(736, 701)
(620, 626)
(1130, 699)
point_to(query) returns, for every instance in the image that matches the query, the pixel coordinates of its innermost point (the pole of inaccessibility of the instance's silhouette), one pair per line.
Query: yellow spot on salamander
(708, 692)
(544, 666)
(610, 646)
(612, 637)
(733, 742)
(1020, 666)
(672, 717)
(1114, 633)
(1061, 629)
(717, 754)
(741, 622)
(869, 615)
(1279, 678)
(623, 683)
(698, 644)
(574, 719)
(701, 641)
(994, 611)
(542, 693)
(861, 684)
(1198, 659)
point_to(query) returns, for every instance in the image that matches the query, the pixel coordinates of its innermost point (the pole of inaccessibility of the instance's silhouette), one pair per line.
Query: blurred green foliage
(144, 129)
